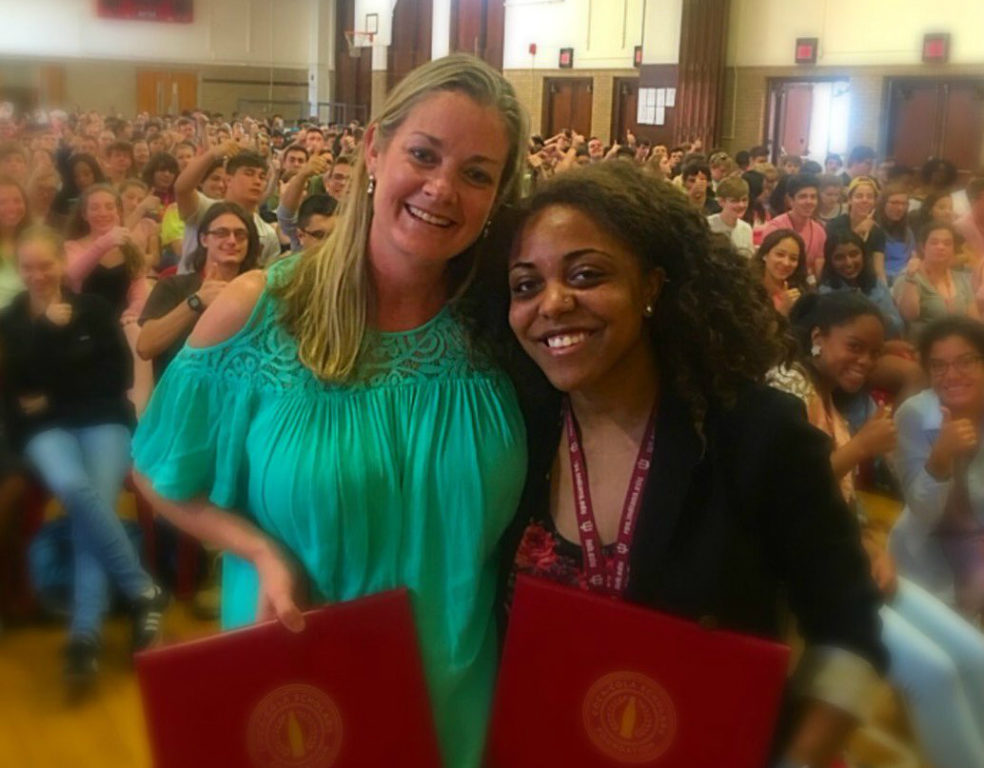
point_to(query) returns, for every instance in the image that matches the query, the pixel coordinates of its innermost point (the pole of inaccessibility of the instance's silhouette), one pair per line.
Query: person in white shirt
(247, 186)
(732, 195)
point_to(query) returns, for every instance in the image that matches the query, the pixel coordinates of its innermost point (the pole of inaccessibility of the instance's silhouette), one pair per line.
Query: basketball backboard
(375, 16)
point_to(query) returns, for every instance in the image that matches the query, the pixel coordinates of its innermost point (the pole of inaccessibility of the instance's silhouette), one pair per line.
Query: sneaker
(81, 664)
(148, 615)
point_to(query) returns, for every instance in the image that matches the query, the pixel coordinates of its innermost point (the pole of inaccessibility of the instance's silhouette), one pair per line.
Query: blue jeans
(937, 660)
(84, 469)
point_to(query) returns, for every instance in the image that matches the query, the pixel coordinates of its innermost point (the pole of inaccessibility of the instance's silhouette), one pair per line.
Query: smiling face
(862, 200)
(781, 261)
(848, 261)
(848, 352)
(13, 207)
(804, 203)
(214, 185)
(226, 241)
(735, 206)
(41, 268)
(437, 178)
(956, 372)
(578, 300)
(101, 212)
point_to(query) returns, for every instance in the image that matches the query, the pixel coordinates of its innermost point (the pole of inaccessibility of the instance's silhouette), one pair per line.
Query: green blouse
(406, 477)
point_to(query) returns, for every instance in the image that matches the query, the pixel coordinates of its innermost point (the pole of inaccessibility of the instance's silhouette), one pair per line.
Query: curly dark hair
(162, 161)
(714, 328)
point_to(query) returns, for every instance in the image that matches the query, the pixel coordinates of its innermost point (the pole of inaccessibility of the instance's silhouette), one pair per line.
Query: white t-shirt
(269, 242)
(741, 235)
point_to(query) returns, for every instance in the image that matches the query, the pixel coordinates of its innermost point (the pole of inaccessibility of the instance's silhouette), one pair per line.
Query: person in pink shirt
(101, 255)
(802, 197)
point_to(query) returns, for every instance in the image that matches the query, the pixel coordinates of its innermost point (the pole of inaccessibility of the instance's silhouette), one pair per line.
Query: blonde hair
(45, 234)
(326, 299)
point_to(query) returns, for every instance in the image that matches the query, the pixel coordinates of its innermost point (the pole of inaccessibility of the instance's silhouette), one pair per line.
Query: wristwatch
(195, 302)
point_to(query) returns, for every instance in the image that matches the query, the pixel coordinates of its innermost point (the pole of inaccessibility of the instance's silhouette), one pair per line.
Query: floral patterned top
(544, 553)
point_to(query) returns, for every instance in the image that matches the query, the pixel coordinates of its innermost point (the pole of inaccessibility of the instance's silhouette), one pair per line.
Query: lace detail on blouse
(264, 355)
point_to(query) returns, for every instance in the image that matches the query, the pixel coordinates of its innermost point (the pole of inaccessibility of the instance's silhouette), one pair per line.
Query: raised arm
(186, 185)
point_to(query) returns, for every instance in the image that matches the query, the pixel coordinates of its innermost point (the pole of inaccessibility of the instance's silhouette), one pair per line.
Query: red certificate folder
(347, 692)
(591, 682)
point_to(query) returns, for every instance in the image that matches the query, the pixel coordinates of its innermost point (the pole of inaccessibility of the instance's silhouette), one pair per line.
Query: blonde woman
(330, 424)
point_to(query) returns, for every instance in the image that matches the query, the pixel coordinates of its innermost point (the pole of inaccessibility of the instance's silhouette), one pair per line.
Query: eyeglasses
(222, 233)
(962, 365)
(315, 234)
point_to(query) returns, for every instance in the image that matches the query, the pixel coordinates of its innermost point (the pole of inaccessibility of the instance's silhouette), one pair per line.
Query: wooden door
(963, 125)
(52, 92)
(794, 119)
(478, 27)
(914, 113)
(929, 117)
(184, 91)
(625, 108)
(410, 45)
(567, 104)
(162, 92)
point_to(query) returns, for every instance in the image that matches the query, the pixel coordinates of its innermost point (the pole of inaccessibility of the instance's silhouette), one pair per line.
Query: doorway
(567, 104)
(929, 117)
(625, 108)
(166, 93)
(808, 118)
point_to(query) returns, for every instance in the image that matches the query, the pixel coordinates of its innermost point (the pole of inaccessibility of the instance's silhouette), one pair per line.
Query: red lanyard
(599, 576)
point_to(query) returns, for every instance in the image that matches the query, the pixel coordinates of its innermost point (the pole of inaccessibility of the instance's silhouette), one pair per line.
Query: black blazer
(734, 526)
(84, 368)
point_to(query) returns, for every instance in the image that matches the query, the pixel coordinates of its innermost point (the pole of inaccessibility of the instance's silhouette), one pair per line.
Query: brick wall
(746, 95)
(529, 90)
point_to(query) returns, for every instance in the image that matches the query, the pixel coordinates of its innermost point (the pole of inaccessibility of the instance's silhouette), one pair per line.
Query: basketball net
(358, 40)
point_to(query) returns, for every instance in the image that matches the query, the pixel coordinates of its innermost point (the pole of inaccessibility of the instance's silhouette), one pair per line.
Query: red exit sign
(181, 11)
(936, 48)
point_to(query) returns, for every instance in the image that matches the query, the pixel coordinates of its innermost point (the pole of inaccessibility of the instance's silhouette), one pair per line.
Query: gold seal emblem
(295, 726)
(629, 717)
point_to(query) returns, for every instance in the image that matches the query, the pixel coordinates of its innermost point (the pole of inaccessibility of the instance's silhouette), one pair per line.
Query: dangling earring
(486, 228)
(372, 185)
(649, 310)
(815, 351)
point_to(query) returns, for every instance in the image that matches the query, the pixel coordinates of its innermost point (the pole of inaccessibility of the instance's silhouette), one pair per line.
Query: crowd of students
(440, 289)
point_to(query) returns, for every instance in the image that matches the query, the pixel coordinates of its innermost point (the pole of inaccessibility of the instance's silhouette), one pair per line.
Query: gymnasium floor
(40, 729)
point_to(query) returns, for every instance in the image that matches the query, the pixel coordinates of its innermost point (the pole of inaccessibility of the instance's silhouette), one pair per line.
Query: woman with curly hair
(654, 340)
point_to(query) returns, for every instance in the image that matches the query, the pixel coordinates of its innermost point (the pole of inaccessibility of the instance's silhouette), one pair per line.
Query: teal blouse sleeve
(191, 439)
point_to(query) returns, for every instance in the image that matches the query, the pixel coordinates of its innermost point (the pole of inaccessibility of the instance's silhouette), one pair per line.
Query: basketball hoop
(357, 40)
